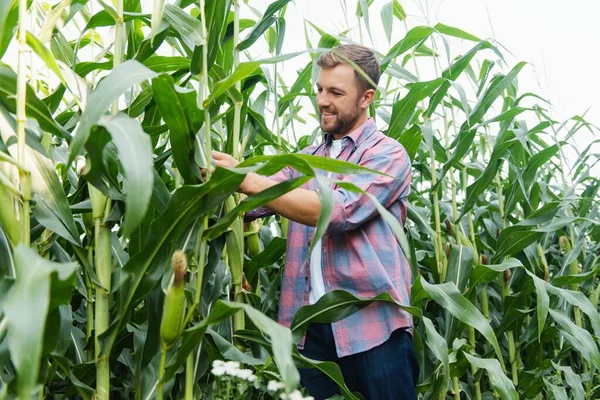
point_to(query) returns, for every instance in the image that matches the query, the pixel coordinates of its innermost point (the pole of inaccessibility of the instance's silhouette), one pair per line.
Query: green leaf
(578, 299)
(413, 37)
(335, 306)
(9, 16)
(387, 18)
(230, 352)
(460, 264)
(543, 301)
(399, 11)
(411, 139)
(456, 32)
(108, 90)
(169, 101)
(302, 82)
(263, 24)
(501, 149)
(574, 279)
(52, 207)
(579, 338)
(491, 94)
(188, 27)
(448, 296)
(487, 273)
(452, 74)
(498, 378)
(243, 70)
(135, 154)
(142, 271)
(514, 239)
(404, 109)
(254, 201)
(573, 380)
(439, 347)
(39, 48)
(166, 64)
(558, 392)
(280, 336)
(34, 107)
(40, 287)
(364, 13)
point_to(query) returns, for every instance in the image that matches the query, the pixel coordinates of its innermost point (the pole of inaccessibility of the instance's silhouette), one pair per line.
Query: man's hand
(300, 205)
(226, 161)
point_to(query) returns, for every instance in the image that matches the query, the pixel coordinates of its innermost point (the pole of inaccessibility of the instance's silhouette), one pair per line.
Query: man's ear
(368, 98)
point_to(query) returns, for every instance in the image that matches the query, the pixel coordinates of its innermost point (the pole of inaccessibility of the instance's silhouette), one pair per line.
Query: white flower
(231, 368)
(252, 378)
(295, 395)
(218, 371)
(274, 386)
(244, 374)
(218, 363)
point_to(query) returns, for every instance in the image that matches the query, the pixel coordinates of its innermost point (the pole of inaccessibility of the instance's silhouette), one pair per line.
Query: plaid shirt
(360, 251)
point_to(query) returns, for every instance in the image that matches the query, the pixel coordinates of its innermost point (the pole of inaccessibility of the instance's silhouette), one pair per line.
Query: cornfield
(126, 273)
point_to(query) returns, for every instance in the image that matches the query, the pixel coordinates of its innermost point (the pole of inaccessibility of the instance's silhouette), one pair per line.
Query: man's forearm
(300, 205)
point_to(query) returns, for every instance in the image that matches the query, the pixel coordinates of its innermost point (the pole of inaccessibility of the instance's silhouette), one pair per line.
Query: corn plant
(128, 272)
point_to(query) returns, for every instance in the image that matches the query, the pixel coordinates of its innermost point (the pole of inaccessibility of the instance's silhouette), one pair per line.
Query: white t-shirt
(317, 286)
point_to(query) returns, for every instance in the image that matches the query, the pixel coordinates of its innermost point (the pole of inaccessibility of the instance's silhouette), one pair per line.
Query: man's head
(346, 86)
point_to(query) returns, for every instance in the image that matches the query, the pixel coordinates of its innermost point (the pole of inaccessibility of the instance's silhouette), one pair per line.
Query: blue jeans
(386, 372)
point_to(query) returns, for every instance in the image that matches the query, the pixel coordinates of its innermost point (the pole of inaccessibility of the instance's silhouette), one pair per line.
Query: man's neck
(363, 118)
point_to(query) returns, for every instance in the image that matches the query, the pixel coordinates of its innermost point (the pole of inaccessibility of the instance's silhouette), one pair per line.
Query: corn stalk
(101, 207)
(235, 238)
(21, 119)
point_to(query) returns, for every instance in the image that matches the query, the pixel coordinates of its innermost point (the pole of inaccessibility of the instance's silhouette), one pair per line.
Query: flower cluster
(275, 386)
(232, 368)
(225, 370)
(295, 395)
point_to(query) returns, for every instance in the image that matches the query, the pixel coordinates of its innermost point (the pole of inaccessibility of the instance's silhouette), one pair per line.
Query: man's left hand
(224, 160)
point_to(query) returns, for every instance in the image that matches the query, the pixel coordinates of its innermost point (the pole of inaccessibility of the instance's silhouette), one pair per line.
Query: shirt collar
(358, 135)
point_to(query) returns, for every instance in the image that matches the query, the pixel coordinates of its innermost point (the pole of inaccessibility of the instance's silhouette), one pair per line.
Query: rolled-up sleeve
(262, 212)
(351, 209)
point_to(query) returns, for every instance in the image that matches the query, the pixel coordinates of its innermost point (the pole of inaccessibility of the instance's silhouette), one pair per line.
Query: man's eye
(319, 90)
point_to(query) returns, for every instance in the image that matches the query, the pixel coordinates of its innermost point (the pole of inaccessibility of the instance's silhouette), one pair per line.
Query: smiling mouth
(327, 114)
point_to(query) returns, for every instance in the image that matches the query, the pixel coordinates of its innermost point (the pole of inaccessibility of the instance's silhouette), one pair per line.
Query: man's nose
(322, 100)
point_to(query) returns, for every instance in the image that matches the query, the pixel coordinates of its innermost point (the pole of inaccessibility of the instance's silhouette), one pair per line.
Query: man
(359, 252)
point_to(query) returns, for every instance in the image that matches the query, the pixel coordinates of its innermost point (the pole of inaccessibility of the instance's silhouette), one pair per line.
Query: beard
(341, 122)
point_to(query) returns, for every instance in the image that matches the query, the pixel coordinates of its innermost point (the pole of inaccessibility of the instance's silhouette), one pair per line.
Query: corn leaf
(448, 296)
(498, 379)
(109, 89)
(135, 154)
(40, 287)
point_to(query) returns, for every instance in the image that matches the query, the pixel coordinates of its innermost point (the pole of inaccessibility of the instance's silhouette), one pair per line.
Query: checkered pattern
(360, 251)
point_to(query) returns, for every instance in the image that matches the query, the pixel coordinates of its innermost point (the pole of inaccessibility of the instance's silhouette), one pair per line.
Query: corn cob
(174, 306)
